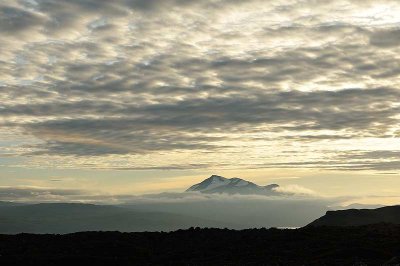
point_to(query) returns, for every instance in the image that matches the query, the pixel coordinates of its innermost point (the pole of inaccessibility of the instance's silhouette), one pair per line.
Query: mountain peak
(217, 177)
(210, 183)
(220, 184)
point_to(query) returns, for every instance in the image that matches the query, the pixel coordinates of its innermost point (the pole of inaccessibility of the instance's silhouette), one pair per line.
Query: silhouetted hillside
(354, 217)
(69, 218)
(156, 216)
(365, 245)
(243, 212)
(8, 204)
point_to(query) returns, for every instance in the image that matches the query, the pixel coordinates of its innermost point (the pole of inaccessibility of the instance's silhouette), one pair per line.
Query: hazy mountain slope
(244, 213)
(354, 217)
(65, 218)
(9, 204)
(219, 184)
(165, 216)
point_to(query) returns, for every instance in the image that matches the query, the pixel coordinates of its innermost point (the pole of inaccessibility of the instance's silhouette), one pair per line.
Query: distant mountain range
(356, 217)
(219, 184)
(73, 217)
(165, 212)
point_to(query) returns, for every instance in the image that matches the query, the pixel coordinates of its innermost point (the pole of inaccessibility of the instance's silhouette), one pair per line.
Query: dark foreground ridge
(356, 217)
(364, 245)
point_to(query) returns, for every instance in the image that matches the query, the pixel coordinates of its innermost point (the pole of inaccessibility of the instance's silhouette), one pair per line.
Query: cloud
(45, 194)
(295, 189)
(292, 195)
(379, 160)
(116, 81)
(188, 124)
(385, 38)
(29, 193)
(352, 160)
(289, 193)
(14, 20)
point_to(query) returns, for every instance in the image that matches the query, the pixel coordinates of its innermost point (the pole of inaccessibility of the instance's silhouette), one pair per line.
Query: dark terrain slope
(364, 245)
(354, 217)
(61, 218)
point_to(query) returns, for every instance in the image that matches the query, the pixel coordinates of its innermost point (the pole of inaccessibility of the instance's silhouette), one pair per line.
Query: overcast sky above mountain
(110, 94)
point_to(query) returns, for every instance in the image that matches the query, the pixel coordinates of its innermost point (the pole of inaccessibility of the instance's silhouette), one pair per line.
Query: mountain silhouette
(355, 217)
(73, 217)
(312, 246)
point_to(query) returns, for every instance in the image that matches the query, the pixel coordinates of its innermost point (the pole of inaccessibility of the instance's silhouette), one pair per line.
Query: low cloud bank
(44, 194)
(289, 193)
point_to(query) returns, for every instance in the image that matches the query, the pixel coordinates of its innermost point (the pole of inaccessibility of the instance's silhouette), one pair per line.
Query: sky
(145, 96)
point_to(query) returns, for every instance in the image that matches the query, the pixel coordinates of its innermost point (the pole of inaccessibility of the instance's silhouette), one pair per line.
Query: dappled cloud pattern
(174, 84)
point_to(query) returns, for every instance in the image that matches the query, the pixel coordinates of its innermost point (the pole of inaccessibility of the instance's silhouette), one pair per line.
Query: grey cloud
(95, 78)
(375, 165)
(182, 124)
(169, 197)
(156, 4)
(86, 6)
(378, 154)
(191, 166)
(265, 106)
(358, 160)
(14, 20)
(379, 160)
(385, 38)
(37, 194)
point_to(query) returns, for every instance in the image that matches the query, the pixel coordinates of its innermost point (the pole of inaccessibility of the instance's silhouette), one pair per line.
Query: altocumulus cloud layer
(175, 84)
